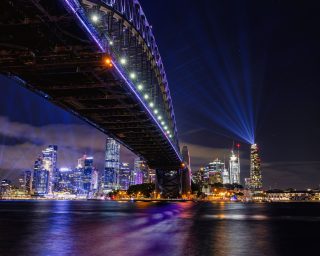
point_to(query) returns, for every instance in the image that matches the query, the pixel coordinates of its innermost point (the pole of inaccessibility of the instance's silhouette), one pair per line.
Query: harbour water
(158, 228)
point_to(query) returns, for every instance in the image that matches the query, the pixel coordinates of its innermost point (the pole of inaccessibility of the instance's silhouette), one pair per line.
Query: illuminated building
(28, 181)
(49, 163)
(152, 176)
(255, 169)
(111, 171)
(40, 179)
(213, 171)
(87, 174)
(234, 168)
(225, 176)
(95, 180)
(139, 172)
(5, 187)
(22, 182)
(124, 176)
(64, 180)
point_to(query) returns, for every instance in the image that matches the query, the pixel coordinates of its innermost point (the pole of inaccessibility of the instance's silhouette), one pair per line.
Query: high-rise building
(140, 168)
(234, 168)
(77, 176)
(49, 163)
(28, 181)
(124, 176)
(88, 170)
(64, 180)
(214, 171)
(255, 169)
(112, 164)
(22, 183)
(225, 176)
(95, 180)
(40, 178)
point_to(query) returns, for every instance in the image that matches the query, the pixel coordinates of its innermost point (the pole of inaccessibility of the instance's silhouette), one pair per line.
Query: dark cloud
(73, 141)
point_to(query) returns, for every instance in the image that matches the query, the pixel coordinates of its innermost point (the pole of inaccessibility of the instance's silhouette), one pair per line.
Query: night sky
(237, 70)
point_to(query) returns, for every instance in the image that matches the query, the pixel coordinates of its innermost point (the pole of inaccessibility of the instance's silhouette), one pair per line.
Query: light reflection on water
(142, 228)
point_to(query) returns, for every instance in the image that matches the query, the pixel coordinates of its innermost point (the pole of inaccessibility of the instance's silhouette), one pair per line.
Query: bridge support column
(168, 183)
(173, 183)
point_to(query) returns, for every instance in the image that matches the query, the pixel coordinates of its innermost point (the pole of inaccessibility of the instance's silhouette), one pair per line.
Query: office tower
(22, 182)
(95, 180)
(139, 171)
(234, 168)
(255, 169)
(88, 170)
(5, 187)
(64, 182)
(124, 176)
(40, 178)
(225, 176)
(77, 175)
(152, 176)
(111, 171)
(49, 163)
(214, 171)
(28, 181)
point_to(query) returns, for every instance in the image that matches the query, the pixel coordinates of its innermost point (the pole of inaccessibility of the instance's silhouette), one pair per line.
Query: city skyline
(289, 149)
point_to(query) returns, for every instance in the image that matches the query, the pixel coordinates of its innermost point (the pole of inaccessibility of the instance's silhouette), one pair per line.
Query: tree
(146, 189)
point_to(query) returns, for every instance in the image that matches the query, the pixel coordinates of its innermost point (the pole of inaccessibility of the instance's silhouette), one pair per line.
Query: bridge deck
(42, 43)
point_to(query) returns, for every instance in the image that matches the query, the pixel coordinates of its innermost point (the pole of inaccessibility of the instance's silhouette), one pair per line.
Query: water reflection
(186, 228)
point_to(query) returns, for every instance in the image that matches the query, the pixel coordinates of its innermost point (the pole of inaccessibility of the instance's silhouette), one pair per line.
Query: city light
(123, 61)
(132, 75)
(95, 18)
(108, 62)
(140, 87)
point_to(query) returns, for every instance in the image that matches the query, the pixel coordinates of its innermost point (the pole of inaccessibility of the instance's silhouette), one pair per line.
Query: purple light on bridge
(130, 85)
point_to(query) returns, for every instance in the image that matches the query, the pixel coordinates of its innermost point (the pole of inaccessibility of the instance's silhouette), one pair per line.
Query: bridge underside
(42, 44)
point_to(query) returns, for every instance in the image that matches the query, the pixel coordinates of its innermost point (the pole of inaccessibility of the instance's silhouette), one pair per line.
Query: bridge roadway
(98, 60)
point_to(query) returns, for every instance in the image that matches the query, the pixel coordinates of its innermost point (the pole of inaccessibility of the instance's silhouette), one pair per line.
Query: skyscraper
(214, 171)
(234, 168)
(255, 170)
(111, 171)
(139, 170)
(49, 163)
(28, 181)
(88, 170)
(40, 178)
(225, 176)
(124, 176)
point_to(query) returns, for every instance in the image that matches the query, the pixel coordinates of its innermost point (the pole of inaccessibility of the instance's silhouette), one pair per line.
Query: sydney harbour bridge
(99, 60)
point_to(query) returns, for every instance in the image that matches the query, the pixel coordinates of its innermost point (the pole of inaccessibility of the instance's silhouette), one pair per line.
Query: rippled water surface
(183, 228)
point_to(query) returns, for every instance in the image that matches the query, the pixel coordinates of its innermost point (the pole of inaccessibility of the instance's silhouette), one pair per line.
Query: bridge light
(110, 42)
(151, 104)
(156, 111)
(132, 75)
(162, 123)
(146, 96)
(123, 61)
(95, 18)
(170, 136)
(140, 87)
(108, 62)
(159, 117)
(166, 127)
